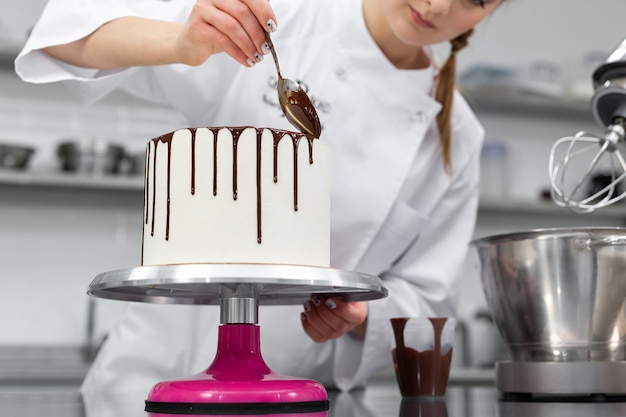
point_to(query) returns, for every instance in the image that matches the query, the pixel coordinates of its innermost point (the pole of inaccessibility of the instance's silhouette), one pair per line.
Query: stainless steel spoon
(294, 101)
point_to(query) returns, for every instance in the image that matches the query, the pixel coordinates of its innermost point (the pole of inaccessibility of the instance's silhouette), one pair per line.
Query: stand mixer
(558, 296)
(589, 151)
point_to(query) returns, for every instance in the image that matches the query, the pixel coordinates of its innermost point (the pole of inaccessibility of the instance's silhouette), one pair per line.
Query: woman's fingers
(236, 27)
(264, 14)
(326, 319)
(238, 22)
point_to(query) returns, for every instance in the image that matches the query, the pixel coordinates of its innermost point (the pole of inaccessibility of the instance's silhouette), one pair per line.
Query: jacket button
(420, 116)
(341, 74)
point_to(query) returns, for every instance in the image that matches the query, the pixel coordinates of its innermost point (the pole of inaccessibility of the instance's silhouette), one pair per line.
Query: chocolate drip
(214, 131)
(277, 138)
(399, 359)
(145, 198)
(169, 182)
(193, 161)
(438, 324)
(295, 142)
(145, 184)
(236, 133)
(310, 141)
(151, 158)
(259, 237)
(167, 139)
(154, 186)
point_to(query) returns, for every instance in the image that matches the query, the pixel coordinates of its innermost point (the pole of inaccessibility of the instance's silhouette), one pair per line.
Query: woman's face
(427, 22)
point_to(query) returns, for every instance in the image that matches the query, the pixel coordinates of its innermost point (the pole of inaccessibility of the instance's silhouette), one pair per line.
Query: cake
(236, 195)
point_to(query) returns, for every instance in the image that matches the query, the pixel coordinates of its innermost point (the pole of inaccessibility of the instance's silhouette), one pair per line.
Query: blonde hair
(444, 94)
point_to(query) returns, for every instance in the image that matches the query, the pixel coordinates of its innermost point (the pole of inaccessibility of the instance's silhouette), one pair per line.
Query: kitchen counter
(381, 398)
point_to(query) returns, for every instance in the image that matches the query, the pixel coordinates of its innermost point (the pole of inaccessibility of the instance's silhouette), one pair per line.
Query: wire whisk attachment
(573, 162)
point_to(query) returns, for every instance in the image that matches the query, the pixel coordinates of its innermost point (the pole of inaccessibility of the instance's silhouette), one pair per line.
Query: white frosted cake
(236, 195)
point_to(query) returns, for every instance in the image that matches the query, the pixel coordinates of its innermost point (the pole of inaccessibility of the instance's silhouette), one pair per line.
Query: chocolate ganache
(166, 140)
(421, 373)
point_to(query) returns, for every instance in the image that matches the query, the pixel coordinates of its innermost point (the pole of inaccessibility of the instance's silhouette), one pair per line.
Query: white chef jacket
(395, 212)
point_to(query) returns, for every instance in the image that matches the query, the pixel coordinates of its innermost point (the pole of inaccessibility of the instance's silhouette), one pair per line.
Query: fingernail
(266, 48)
(331, 304)
(258, 57)
(271, 25)
(302, 316)
(250, 62)
(307, 307)
(316, 300)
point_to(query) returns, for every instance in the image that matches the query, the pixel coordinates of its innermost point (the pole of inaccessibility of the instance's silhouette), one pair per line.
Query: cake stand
(238, 381)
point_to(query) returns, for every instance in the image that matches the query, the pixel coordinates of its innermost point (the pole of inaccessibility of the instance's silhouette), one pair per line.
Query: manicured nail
(302, 316)
(271, 25)
(331, 304)
(250, 62)
(307, 307)
(266, 48)
(316, 300)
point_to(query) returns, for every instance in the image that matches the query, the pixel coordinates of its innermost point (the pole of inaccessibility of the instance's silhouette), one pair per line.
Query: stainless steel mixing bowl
(557, 294)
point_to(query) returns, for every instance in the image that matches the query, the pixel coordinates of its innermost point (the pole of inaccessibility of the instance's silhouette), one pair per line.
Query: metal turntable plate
(208, 283)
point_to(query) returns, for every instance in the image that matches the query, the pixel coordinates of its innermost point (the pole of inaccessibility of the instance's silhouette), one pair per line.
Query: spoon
(294, 101)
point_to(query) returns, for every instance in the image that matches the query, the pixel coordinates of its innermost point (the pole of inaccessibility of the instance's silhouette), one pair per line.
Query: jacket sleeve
(65, 21)
(425, 280)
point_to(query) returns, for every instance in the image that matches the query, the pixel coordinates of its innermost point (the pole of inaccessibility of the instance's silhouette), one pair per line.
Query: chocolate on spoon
(295, 102)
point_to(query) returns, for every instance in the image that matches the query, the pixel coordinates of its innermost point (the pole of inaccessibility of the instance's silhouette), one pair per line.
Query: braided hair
(444, 94)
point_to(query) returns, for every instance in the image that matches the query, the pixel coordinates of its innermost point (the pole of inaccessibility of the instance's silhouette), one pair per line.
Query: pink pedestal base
(238, 382)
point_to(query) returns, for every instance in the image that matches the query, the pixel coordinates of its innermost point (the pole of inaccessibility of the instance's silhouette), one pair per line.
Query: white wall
(559, 30)
(55, 240)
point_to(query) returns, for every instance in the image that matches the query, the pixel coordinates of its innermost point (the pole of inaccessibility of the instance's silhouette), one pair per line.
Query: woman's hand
(236, 27)
(326, 319)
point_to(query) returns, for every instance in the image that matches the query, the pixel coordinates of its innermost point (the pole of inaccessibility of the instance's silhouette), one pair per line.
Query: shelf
(616, 211)
(42, 365)
(135, 184)
(518, 103)
(105, 182)
(7, 60)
